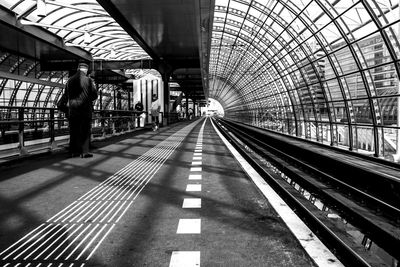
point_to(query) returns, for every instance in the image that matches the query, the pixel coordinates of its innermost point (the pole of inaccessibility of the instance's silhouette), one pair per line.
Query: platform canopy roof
(174, 33)
(81, 23)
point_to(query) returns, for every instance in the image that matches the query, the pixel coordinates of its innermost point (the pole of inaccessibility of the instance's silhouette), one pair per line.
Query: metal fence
(24, 130)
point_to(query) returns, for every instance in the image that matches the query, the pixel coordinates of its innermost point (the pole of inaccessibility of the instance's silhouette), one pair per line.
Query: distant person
(80, 91)
(190, 112)
(139, 108)
(155, 112)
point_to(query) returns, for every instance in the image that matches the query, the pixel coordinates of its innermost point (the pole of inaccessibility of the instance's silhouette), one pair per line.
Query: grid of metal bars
(324, 70)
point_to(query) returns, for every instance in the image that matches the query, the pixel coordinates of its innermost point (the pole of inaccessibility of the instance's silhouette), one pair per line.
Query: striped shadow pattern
(71, 237)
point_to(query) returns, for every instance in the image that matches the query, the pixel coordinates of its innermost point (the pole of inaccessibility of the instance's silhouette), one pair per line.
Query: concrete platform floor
(124, 207)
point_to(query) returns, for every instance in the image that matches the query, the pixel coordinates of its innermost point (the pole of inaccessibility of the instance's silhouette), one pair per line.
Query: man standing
(80, 91)
(139, 108)
(155, 112)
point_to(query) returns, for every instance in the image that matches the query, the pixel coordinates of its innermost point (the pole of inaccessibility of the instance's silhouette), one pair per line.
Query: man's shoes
(86, 155)
(74, 155)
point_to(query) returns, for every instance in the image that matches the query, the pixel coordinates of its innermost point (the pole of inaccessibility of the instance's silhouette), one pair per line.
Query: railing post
(59, 118)
(113, 124)
(128, 119)
(22, 149)
(53, 144)
(103, 124)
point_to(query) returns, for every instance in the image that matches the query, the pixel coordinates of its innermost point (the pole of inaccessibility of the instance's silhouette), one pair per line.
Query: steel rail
(391, 181)
(329, 178)
(369, 223)
(341, 249)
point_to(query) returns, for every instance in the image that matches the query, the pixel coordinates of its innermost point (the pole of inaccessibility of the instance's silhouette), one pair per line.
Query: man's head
(154, 97)
(83, 67)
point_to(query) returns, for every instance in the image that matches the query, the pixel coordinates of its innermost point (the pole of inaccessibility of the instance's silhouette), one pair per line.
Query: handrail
(17, 124)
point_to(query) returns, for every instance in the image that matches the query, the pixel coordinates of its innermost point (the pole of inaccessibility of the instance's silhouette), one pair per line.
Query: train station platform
(175, 197)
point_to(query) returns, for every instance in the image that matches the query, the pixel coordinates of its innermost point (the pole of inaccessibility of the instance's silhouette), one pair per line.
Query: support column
(194, 108)
(187, 104)
(115, 99)
(22, 149)
(53, 144)
(100, 97)
(130, 106)
(165, 78)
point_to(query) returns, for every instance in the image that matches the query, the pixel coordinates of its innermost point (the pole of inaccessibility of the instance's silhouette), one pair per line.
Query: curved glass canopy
(324, 70)
(82, 23)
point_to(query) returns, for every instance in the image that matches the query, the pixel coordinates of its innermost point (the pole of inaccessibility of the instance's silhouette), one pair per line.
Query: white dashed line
(185, 259)
(193, 188)
(189, 226)
(191, 203)
(195, 177)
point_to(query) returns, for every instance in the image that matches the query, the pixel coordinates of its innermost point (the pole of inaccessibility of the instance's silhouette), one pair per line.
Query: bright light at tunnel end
(213, 108)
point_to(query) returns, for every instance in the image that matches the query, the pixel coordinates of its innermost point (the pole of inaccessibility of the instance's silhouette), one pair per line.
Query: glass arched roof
(82, 23)
(320, 69)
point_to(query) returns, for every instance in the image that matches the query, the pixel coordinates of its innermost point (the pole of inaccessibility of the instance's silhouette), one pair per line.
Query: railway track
(375, 214)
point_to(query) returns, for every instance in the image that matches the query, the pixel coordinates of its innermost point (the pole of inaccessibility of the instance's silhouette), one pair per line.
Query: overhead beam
(141, 64)
(121, 20)
(204, 21)
(124, 64)
(31, 23)
(10, 76)
(34, 42)
(184, 63)
(109, 76)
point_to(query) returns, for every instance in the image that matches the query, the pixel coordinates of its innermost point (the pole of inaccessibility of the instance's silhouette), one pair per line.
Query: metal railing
(27, 129)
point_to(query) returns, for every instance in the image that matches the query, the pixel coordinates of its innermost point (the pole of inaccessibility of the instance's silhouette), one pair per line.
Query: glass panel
(388, 111)
(385, 11)
(362, 111)
(393, 32)
(389, 140)
(343, 135)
